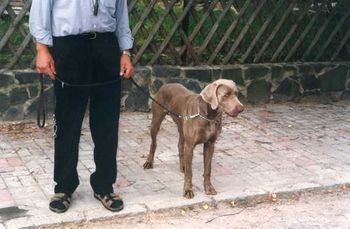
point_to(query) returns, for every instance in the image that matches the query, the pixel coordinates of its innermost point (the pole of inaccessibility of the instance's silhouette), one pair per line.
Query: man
(83, 46)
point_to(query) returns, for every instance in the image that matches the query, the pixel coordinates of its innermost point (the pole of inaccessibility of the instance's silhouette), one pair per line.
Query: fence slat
(19, 51)
(261, 31)
(290, 33)
(228, 32)
(14, 25)
(342, 43)
(143, 17)
(331, 36)
(243, 32)
(171, 33)
(199, 25)
(184, 39)
(303, 35)
(215, 27)
(154, 31)
(3, 6)
(274, 32)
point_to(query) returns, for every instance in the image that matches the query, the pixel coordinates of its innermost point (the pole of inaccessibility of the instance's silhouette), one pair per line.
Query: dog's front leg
(208, 151)
(188, 156)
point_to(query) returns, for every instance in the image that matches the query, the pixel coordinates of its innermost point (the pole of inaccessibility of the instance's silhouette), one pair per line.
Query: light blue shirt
(59, 18)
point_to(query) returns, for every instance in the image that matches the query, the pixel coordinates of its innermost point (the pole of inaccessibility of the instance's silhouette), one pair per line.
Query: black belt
(88, 35)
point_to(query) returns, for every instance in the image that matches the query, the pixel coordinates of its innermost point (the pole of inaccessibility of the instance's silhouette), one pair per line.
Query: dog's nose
(240, 109)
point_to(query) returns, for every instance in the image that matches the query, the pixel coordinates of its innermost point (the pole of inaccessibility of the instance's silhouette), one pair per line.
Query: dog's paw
(148, 165)
(188, 194)
(210, 190)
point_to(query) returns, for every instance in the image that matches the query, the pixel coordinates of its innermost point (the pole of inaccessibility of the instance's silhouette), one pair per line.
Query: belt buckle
(94, 35)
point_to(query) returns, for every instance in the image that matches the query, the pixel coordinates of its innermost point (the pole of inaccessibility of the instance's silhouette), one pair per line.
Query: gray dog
(200, 123)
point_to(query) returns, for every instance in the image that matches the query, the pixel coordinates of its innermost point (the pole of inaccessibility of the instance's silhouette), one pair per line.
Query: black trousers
(86, 59)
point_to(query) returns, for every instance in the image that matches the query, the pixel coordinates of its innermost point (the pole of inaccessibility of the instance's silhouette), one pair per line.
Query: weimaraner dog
(200, 123)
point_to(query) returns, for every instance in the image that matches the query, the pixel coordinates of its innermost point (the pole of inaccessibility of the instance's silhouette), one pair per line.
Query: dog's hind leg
(158, 116)
(180, 144)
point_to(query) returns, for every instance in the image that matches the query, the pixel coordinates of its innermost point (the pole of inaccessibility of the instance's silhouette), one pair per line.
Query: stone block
(5, 80)
(289, 70)
(18, 95)
(177, 80)
(233, 73)
(256, 71)
(49, 103)
(318, 67)
(126, 85)
(142, 74)
(33, 91)
(4, 102)
(165, 71)
(193, 85)
(334, 79)
(289, 89)
(216, 73)
(155, 85)
(305, 69)
(14, 113)
(137, 100)
(309, 82)
(276, 72)
(27, 77)
(259, 91)
(201, 74)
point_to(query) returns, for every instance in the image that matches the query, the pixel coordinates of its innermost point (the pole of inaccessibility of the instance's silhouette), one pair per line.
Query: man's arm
(124, 36)
(40, 28)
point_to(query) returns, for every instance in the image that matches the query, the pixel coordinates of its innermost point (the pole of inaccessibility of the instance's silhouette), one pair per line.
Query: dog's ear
(208, 94)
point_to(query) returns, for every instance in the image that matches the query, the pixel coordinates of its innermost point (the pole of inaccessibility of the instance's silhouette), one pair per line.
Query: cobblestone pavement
(270, 149)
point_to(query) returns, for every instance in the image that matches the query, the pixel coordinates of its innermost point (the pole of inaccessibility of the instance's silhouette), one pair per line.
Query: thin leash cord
(41, 111)
(87, 85)
(149, 96)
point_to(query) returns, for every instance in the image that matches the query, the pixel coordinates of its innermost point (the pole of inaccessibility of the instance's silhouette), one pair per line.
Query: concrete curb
(239, 201)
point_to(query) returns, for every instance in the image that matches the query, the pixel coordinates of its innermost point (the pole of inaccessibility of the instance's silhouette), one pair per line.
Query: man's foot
(60, 202)
(111, 201)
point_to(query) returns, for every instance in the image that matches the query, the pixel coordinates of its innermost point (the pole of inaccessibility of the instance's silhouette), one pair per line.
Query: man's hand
(44, 61)
(126, 68)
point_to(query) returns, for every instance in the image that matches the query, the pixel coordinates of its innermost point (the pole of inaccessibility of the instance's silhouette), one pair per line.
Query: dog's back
(174, 96)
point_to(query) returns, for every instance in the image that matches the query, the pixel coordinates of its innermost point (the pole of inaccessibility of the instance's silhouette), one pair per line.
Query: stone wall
(258, 83)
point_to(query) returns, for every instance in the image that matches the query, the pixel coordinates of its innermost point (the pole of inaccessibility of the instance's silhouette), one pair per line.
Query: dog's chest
(209, 132)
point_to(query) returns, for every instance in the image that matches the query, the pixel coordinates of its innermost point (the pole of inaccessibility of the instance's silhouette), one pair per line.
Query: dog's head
(223, 94)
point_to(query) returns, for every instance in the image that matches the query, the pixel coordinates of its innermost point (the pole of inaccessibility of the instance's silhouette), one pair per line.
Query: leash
(41, 115)
(41, 111)
(149, 96)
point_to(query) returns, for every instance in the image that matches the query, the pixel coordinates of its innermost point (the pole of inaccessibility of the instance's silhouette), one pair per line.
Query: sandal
(60, 202)
(111, 201)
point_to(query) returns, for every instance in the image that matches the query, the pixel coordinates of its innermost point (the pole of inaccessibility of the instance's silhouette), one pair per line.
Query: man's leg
(104, 113)
(71, 59)
(104, 118)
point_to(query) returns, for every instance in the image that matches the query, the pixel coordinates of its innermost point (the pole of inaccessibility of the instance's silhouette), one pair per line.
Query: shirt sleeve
(40, 21)
(123, 31)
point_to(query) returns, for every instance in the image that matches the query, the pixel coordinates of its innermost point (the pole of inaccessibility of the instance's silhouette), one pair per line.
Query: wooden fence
(195, 32)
